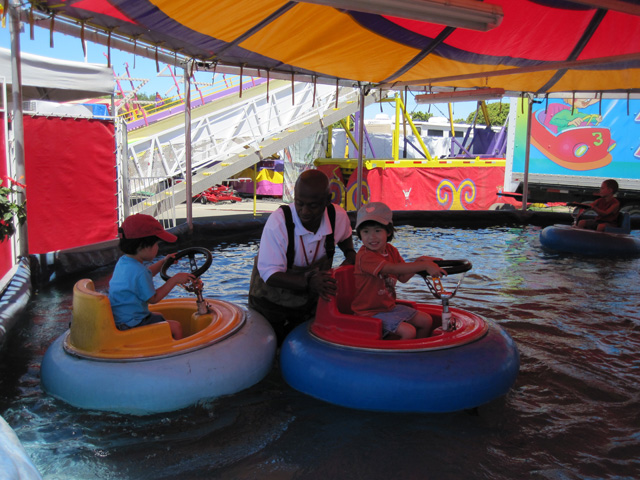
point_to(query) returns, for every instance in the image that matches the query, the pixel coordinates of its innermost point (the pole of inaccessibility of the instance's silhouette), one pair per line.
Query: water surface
(573, 413)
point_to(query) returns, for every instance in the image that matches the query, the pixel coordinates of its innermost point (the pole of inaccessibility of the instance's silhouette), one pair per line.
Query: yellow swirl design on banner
(352, 197)
(447, 192)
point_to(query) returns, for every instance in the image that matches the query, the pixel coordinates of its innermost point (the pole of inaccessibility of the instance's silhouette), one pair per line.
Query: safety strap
(291, 246)
(329, 242)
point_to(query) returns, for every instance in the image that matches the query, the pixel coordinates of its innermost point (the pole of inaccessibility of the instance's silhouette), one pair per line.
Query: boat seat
(624, 224)
(335, 316)
(94, 330)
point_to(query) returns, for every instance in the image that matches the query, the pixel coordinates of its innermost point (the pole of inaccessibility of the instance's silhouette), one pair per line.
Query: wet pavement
(244, 210)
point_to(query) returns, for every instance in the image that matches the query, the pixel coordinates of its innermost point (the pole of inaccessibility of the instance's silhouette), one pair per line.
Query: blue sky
(70, 48)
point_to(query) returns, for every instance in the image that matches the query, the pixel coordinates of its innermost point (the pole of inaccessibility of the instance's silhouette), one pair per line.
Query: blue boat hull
(564, 238)
(445, 380)
(163, 384)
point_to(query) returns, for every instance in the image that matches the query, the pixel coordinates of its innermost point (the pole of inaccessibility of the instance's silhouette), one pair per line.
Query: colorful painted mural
(589, 137)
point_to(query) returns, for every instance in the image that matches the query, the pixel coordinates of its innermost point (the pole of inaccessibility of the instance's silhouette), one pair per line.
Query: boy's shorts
(393, 318)
(148, 320)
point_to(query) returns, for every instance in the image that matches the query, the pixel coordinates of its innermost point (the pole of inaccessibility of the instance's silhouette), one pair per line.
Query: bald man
(296, 250)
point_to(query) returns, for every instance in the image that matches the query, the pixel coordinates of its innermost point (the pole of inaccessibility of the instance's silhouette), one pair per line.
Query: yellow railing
(138, 110)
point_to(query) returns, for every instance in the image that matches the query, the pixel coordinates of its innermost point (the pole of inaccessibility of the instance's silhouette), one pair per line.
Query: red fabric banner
(455, 188)
(71, 182)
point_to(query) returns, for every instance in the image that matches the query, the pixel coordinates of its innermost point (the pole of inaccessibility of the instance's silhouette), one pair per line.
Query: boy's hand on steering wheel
(434, 270)
(426, 258)
(182, 278)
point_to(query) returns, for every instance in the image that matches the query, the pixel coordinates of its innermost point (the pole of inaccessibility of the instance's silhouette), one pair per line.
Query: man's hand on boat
(323, 283)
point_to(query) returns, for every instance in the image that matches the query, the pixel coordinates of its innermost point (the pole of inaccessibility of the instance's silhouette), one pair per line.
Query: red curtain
(455, 188)
(71, 182)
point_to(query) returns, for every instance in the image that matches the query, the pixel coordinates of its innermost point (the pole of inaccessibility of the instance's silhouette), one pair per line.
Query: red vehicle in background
(218, 193)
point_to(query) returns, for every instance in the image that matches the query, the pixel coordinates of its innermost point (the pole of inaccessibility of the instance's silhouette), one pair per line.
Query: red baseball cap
(140, 225)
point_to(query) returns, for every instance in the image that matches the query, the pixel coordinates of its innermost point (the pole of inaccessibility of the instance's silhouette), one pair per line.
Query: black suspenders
(329, 244)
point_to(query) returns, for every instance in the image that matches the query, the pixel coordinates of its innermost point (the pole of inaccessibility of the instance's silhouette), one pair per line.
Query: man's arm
(344, 236)
(349, 252)
(320, 282)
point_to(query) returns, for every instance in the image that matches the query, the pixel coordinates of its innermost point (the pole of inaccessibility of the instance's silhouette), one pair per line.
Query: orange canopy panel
(548, 46)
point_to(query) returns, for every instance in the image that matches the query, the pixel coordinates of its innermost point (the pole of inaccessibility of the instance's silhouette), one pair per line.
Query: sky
(70, 48)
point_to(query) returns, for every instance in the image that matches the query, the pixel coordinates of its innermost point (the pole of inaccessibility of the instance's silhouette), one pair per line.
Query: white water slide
(227, 136)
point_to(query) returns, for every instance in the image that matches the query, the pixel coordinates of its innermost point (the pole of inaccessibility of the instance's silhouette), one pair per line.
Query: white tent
(57, 80)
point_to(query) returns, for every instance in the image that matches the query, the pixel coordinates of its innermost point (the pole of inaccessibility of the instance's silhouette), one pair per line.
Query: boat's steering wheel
(451, 267)
(587, 119)
(579, 209)
(454, 266)
(586, 206)
(192, 253)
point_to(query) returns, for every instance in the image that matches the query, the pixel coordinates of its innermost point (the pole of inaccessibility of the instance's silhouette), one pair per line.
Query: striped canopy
(540, 46)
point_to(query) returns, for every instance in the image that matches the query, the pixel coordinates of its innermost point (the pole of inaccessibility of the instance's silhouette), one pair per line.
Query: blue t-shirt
(130, 289)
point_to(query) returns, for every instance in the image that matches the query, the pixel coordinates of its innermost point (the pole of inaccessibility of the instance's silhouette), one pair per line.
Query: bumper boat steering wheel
(438, 291)
(451, 267)
(193, 262)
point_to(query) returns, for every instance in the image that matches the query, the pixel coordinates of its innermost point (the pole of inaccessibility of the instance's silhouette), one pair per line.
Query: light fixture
(470, 14)
(461, 96)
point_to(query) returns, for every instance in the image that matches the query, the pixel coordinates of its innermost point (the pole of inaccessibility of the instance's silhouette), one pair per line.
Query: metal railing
(225, 141)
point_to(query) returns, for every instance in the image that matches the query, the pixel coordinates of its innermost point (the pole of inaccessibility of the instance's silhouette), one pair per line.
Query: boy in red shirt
(378, 267)
(607, 208)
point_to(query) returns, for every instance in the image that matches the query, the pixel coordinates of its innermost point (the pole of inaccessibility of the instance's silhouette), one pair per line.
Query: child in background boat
(606, 207)
(378, 267)
(131, 288)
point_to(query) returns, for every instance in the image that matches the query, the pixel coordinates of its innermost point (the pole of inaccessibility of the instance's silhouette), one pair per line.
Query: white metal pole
(187, 143)
(360, 149)
(525, 179)
(18, 124)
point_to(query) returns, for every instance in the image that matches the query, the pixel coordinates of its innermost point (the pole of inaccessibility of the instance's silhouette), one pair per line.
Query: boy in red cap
(377, 269)
(131, 288)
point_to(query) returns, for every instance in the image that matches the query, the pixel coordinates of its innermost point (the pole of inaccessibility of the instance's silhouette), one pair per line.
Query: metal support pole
(123, 153)
(18, 123)
(361, 144)
(188, 68)
(404, 124)
(255, 187)
(525, 180)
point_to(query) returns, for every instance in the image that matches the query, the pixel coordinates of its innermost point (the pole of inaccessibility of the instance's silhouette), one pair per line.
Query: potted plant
(10, 210)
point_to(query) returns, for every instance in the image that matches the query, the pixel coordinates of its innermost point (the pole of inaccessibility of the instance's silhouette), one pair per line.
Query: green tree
(421, 116)
(146, 97)
(498, 113)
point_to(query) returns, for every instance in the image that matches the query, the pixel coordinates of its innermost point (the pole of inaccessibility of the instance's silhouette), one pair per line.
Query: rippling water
(573, 413)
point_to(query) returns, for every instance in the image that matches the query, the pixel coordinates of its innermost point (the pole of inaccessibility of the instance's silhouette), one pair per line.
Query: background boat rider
(296, 250)
(606, 208)
(131, 288)
(378, 268)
